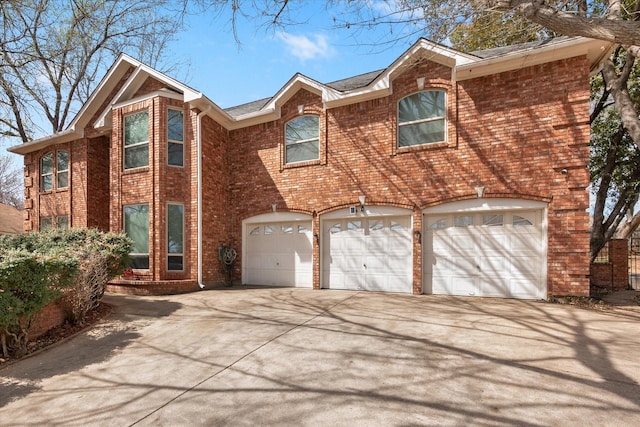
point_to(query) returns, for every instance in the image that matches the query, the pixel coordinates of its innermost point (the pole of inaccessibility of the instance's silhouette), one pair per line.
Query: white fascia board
(381, 86)
(596, 51)
(104, 88)
(38, 144)
(294, 85)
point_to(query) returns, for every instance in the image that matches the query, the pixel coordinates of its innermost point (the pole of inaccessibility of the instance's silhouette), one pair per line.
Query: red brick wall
(97, 183)
(615, 273)
(51, 316)
(216, 211)
(512, 133)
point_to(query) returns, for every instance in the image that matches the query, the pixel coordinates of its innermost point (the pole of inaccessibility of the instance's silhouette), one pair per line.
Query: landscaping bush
(28, 282)
(75, 264)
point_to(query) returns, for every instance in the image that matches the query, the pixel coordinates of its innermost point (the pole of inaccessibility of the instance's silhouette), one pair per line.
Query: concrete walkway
(319, 358)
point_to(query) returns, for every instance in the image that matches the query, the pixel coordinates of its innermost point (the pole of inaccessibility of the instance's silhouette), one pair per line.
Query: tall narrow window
(302, 139)
(175, 137)
(136, 140)
(421, 118)
(62, 169)
(136, 225)
(175, 237)
(46, 172)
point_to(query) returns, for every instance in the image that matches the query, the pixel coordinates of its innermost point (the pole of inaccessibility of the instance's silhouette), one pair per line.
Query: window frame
(175, 141)
(66, 221)
(301, 141)
(125, 147)
(182, 229)
(431, 119)
(54, 172)
(148, 243)
(43, 219)
(63, 171)
(48, 174)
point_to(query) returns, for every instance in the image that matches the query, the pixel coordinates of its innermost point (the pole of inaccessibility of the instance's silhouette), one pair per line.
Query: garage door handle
(365, 266)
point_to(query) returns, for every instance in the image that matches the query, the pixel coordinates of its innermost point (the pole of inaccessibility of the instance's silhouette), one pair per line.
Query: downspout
(199, 146)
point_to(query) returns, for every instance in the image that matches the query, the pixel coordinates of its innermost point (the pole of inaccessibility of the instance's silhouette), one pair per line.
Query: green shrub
(28, 282)
(73, 263)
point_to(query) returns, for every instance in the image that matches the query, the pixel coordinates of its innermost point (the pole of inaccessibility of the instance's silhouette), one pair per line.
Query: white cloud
(306, 47)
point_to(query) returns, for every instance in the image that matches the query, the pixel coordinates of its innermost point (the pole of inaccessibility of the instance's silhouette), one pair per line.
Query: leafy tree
(53, 51)
(11, 187)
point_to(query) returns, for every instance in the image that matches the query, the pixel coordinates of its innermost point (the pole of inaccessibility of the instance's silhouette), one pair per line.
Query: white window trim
(125, 147)
(425, 120)
(58, 171)
(173, 141)
(301, 141)
(42, 175)
(148, 237)
(167, 237)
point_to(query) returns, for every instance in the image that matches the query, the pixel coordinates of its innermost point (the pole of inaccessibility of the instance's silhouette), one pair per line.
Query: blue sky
(212, 62)
(267, 57)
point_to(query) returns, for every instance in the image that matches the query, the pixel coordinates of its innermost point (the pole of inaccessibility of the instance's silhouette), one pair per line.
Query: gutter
(199, 167)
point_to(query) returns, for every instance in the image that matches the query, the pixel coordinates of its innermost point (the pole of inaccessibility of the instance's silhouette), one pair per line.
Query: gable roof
(127, 75)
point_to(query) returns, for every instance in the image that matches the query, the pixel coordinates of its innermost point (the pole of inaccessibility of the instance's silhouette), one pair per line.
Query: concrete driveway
(303, 357)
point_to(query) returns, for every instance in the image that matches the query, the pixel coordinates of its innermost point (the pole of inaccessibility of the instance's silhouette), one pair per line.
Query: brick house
(444, 173)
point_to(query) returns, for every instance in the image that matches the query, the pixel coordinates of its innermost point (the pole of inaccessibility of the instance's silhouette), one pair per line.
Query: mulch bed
(64, 331)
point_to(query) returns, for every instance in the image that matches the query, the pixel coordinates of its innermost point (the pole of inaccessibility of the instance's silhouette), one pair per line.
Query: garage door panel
(486, 254)
(374, 253)
(279, 253)
(463, 285)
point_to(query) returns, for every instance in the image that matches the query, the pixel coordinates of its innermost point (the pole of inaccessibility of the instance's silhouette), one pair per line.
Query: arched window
(302, 139)
(422, 118)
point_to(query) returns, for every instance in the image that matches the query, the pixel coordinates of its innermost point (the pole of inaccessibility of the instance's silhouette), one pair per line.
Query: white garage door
(491, 254)
(279, 253)
(368, 253)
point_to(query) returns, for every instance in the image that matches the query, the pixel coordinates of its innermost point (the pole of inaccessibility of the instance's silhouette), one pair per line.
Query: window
(175, 137)
(46, 172)
(45, 223)
(255, 231)
(493, 220)
(62, 169)
(520, 221)
(302, 139)
(463, 221)
(136, 140)
(268, 229)
(136, 225)
(62, 221)
(421, 118)
(175, 237)
(287, 228)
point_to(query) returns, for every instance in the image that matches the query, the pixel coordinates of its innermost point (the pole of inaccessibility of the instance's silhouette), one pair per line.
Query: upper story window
(46, 172)
(175, 137)
(302, 139)
(136, 140)
(60, 169)
(421, 118)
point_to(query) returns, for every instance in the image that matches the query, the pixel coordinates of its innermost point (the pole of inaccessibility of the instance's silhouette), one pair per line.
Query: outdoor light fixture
(300, 108)
(274, 206)
(420, 82)
(362, 200)
(418, 235)
(480, 192)
(316, 237)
